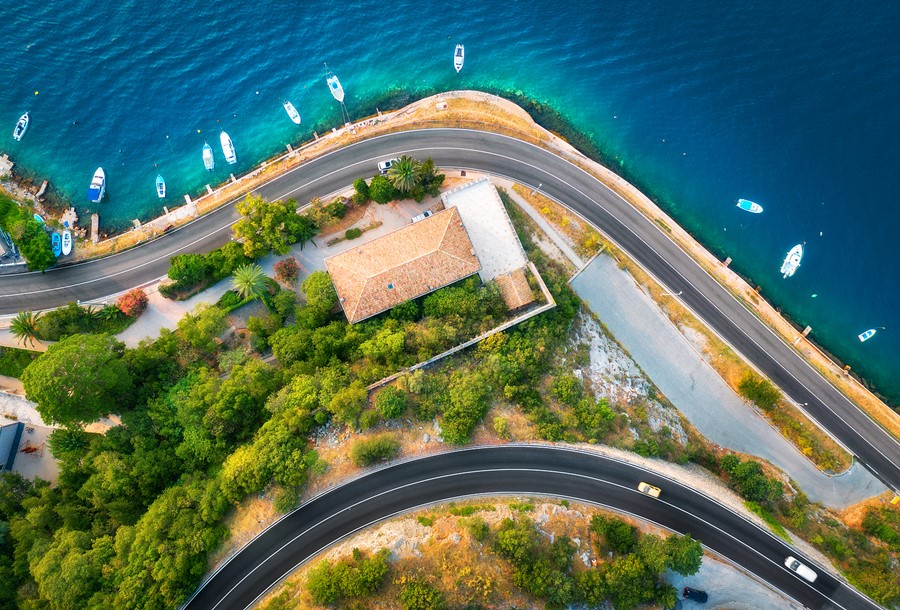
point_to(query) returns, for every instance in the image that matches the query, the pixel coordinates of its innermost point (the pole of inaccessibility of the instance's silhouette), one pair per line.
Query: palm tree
(24, 327)
(404, 174)
(249, 281)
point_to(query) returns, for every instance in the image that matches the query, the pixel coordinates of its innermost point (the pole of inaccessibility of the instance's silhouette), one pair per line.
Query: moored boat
(21, 127)
(39, 218)
(160, 186)
(792, 261)
(459, 57)
(66, 242)
(292, 112)
(749, 206)
(228, 148)
(334, 85)
(209, 161)
(56, 244)
(98, 186)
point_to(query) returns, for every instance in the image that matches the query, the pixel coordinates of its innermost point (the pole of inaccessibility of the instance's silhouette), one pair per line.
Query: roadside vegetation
(483, 555)
(27, 234)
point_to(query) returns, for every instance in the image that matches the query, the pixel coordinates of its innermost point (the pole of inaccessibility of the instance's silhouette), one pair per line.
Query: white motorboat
(160, 186)
(21, 127)
(867, 335)
(459, 57)
(98, 186)
(228, 148)
(749, 206)
(209, 161)
(792, 261)
(334, 85)
(66, 242)
(292, 112)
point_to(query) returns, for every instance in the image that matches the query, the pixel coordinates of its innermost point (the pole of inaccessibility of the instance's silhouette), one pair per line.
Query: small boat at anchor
(749, 206)
(292, 112)
(334, 85)
(21, 127)
(228, 148)
(792, 261)
(98, 186)
(459, 57)
(56, 244)
(160, 186)
(867, 335)
(209, 162)
(66, 242)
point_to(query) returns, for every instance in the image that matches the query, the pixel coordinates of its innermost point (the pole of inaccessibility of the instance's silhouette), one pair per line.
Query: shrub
(336, 209)
(381, 190)
(365, 452)
(133, 303)
(421, 596)
(287, 270)
(501, 427)
(392, 402)
(329, 583)
(362, 191)
(352, 233)
(478, 528)
(759, 391)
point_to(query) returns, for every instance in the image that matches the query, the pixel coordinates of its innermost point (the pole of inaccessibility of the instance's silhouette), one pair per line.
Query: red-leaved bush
(133, 302)
(287, 270)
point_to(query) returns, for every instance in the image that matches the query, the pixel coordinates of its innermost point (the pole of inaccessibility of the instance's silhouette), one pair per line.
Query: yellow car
(649, 489)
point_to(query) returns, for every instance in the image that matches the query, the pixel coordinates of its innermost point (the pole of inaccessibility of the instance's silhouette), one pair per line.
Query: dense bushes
(750, 481)
(352, 233)
(271, 226)
(392, 402)
(133, 302)
(191, 273)
(74, 319)
(27, 233)
(365, 452)
(759, 391)
(351, 578)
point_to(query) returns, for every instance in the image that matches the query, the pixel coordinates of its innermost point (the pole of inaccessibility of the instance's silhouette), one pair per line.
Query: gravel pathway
(696, 390)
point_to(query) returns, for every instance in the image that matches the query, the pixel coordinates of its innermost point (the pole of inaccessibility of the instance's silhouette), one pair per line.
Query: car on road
(649, 489)
(800, 569)
(384, 166)
(695, 595)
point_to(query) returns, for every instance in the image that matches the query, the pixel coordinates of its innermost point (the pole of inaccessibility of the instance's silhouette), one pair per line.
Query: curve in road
(519, 470)
(529, 165)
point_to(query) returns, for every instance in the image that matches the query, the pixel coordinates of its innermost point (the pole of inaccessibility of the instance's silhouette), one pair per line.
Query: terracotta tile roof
(402, 265)
(514, 289)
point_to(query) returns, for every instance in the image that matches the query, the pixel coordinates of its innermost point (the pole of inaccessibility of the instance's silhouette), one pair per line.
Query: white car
(649, 489)
(384, 166)
(799, 569)
(422, 216)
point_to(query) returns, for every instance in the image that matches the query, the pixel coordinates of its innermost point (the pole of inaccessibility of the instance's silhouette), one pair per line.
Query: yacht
(459, 56)
(97, 188)
(21, 127)
(228, 148)
(334, 85)
(292, 112)
(792, 261)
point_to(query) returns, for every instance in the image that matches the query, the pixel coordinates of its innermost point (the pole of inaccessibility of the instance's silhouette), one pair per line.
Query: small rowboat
(56, 244)
(867, 335)
(749, 206)
(209, 162)
(21, 127)
(292, 112)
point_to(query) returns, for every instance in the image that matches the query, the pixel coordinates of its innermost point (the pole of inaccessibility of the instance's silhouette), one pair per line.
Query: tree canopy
(79, 379)
(271, 226)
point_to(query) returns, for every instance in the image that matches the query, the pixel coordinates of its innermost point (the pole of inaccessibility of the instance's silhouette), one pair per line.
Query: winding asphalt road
(529, 165)
(518, 470)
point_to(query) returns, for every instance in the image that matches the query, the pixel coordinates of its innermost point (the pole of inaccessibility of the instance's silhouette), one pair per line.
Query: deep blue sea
(793, 105)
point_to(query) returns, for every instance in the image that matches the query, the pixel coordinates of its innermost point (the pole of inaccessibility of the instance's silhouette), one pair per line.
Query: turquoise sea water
(794, 106)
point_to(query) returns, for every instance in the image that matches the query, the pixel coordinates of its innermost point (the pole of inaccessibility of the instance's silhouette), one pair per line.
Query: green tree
(421, 596)
(392, 402)
(347, 403)
(683, 554)
(381, 190)
(404, 174)
(79, 379)
(34, 244)
(201, 327)
(271, 226)
(187, 269)
(249, 281)
(24, 327)
(620, 536)
(70, 571)
(362, 191)
(629, 583)
(469, 401)
(319, 291)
